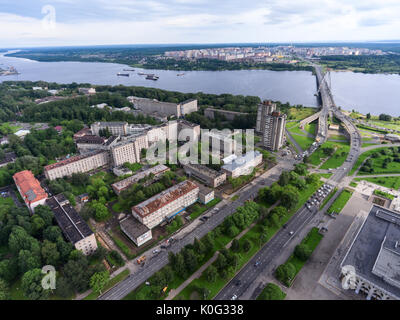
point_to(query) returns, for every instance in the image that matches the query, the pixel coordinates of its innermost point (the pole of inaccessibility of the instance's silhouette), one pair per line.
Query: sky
(28, 23)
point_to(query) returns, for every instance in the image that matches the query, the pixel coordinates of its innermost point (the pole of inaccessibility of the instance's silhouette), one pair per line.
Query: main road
(157, 262)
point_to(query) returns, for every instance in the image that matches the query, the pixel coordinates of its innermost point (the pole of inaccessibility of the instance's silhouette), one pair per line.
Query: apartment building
(89, 143)
(157, 171)
(80, 163)
(74, 228)
(206, 175)
(221, 140)
(205, 194)
(116, 128)
(30, 189)
(166, 204)
(243, 165)
(271, 124)
(124, 152)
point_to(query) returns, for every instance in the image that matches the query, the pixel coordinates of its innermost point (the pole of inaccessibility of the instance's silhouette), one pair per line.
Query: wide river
(374, 93)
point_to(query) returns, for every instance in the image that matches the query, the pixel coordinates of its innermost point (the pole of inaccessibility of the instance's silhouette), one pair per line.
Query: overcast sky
(89, 22)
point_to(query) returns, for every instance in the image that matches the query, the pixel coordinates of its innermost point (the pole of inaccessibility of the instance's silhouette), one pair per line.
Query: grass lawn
(301, 113)
(383, 194)
(202, 208)
(362, 158)
(311, 128)
(392, 167)
(371, 129)
(339, 157)
(118, 278)
(121, 245)
(388, 182)
(353, 184)
(295, 128)
(337, 137)
(340, 201)
(325, 175)
(303, 141)
(312, 239)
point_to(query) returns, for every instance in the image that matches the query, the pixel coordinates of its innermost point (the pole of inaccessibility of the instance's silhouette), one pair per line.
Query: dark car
(257, 263)
(285, 226)
(238, 282)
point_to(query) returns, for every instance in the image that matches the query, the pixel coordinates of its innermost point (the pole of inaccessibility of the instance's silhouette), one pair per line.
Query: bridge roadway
(157, 262)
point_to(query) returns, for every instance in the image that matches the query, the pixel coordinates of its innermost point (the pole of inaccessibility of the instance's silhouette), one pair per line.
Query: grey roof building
(375, 256)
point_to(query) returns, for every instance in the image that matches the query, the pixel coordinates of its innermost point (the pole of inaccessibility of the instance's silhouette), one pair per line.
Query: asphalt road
(157, 262)
(272, 249)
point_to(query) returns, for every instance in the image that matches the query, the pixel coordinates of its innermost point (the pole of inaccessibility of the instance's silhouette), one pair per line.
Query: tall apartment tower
(271, 124)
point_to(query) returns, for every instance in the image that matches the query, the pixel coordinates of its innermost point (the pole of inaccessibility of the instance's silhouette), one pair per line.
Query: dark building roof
(375, 252)
(132, 227)
(90, 139)
(110, 140)
(69, 221)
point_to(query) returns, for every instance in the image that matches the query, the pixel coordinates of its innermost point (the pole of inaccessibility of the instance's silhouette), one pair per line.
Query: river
(374, 93)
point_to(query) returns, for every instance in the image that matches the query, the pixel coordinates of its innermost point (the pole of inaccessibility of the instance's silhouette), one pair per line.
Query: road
(157, 262)
(271, 250)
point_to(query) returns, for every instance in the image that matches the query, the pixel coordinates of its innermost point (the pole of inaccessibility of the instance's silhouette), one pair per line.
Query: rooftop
(375, 252)
(120, 185)
(241, 161)
(29, 186)
(133, 227)
(162, 199)
(71, 160)
(204, 170)
(90, 139)
(70, 222)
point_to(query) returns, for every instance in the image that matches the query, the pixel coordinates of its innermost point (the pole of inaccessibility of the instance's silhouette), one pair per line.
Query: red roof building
(30, 189)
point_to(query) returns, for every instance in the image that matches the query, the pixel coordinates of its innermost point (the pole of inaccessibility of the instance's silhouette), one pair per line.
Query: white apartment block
(116, 128)
(81, 163)
(166, 204)
(242, 165)
(124, 152)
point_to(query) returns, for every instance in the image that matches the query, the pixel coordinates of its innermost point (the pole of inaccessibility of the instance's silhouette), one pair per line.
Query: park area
(340, 201)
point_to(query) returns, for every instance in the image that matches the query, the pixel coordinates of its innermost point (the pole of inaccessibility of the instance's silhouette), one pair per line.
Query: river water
(374, 93)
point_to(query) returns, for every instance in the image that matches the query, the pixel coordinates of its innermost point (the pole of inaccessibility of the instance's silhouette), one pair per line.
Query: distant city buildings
(87, 91)
(271, 124)
(30, 189)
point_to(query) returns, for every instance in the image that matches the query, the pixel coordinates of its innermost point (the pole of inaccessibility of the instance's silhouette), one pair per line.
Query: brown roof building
(30, 189)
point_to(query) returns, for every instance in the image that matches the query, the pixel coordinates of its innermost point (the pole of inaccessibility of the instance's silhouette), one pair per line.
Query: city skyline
(97, 22)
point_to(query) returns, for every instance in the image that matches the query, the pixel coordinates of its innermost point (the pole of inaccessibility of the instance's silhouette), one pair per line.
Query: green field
(383, 194)
(301, 113)
(362, 158)
(388, 182)
(340, 201)
(329, 197)
(311, 128)
(339, 157)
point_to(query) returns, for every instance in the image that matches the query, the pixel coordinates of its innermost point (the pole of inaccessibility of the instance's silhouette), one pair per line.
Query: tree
(9, 269)
(101, 211)
(45, 213)
(220, 263)
(64, 288)
(246, 245)
(27, 261)
(52, 233)
(99, 280)
(312, 179)
(286, 272)
(368, 116)
(190, 260)
(290, 197)
(235, 245)
(50, 253)
(4, 290)
(199, 247)
(280, 211)
(211, 274)
(284, 178)
(271, 292)
(76, 271)
(303, 252)
(31, 285)
(301, 169)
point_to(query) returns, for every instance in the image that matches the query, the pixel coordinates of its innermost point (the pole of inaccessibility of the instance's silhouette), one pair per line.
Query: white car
(291, 233)
(234, 297)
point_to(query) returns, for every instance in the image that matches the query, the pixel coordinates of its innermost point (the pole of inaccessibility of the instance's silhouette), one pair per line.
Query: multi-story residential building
(30, 190)
(186, 125)
(123, 152)
(116, 128)
(156, 171)
(72, 225)
(81, 163)
(205, 194)
(371, 264)
(89, 143)
(206, 175)
(243, 165)
(271, 123)
(166, 204)
(220, 140)
(135, 231)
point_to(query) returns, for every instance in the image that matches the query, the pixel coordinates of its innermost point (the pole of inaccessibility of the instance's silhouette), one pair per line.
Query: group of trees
(388, 155)
(241, 219)
(33, 241)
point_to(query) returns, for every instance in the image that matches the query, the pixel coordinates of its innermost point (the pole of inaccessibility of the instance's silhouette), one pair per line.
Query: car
(202, 219)
(163, 246)
(285, 226)
(205, 218)
(238, 282)
(258, 262)
(234, 297)
(155, 251)
(291, 233)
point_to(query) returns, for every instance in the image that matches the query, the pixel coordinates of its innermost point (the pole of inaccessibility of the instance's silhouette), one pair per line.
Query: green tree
(303, 252)
(271, 292)
(99, 280)
(211, 274)
(50, 253)
(246, 245)
(286, 272)
(31, 285)
(4, 290)
(235, 245)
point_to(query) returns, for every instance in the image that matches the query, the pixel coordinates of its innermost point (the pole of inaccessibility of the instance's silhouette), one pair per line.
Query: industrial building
(135, 231)
(271, 124)
(206, 175)
(243, 165)
(167, 204)
(72, 225)
(30, 189)
(372, 262)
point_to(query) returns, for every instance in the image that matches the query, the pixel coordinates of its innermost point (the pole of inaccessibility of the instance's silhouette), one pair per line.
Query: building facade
(116, 128)
(30, 189)
(206, 175)
(166, 204)
(271, 124)
(135, 231)
(81, 163)
(243, 165)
